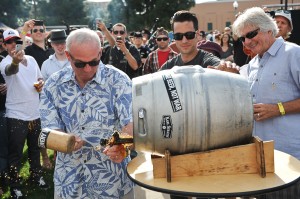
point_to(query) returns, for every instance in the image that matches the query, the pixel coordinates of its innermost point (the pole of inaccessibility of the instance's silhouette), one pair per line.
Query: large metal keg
(191, 109)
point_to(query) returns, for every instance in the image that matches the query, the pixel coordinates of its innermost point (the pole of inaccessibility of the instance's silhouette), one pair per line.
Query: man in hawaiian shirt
(89, 100)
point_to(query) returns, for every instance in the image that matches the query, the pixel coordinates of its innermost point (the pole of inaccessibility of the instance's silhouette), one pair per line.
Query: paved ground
(143, 193)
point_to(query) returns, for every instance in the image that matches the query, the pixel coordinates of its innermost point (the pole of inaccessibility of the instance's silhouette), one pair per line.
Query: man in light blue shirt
(90, 100)
(274, 78)
(58, 60)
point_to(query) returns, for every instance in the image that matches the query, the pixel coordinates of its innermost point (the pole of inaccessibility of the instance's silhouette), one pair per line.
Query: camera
(119, 38)
(97, 20)
(38, 22)
(19, 44)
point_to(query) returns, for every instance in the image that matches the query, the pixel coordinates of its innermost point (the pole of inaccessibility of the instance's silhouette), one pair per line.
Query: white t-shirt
(22, 99)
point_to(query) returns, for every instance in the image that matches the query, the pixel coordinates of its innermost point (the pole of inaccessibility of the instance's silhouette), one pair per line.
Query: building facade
(218, 15)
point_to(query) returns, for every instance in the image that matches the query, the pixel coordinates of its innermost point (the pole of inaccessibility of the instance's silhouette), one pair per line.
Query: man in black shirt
(38, 49)
(123, 55)
(186, 36)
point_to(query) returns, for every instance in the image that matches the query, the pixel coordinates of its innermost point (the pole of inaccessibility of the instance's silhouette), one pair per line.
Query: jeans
(18, 132)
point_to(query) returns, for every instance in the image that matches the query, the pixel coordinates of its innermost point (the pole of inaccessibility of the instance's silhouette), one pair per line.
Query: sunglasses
(10, 41)
(80, 64)
(35, 30)
(122, 32)
(250, 35)
(162, 39)
(188, 35)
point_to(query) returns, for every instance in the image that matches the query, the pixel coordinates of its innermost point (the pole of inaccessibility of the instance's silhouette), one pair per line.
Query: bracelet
(13, 63)
(23, 32)
(281, 108)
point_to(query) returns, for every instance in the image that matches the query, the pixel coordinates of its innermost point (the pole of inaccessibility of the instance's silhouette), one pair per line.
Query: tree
(138, 14)
(59, 12)
(12, 12)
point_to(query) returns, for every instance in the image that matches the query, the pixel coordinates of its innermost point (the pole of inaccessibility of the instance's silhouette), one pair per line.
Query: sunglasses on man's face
(162, 39)
(80, 64)
(250, 35)
(117, 32)
(10, 41)
(35, 30)
(188, 35)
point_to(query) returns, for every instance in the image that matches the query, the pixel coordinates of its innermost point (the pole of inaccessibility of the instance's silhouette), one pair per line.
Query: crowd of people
(81, 84)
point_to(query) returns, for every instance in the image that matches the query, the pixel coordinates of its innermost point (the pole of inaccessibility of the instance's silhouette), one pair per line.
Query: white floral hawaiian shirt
(104, 104)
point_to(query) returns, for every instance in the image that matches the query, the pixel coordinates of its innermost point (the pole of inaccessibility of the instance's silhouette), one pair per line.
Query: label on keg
(42, 142)
(167, 126)
(172, 92)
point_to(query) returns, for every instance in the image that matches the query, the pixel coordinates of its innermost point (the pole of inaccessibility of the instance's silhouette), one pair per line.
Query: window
(209, 26)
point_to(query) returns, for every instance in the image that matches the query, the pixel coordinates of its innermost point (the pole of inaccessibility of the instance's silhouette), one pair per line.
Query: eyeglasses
(188, 35)
(122, 32)
(162, 39)
(35, 30)
(10, 41)
(250, 35)
(80, 64)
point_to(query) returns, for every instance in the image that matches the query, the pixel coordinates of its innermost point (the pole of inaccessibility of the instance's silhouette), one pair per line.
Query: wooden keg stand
(256, 157)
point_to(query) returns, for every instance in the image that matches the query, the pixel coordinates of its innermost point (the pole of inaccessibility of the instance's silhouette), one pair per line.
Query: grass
(29, 190)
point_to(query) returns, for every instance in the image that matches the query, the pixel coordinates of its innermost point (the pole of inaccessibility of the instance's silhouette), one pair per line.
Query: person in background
(163, 53)
(210, 46)
(227, 48)
(143, 50)
(21, 72)
(3, 130)
(38, 50)
(274, 79)
(123, 55)
(58, 60)
(3, 52)
(100, 98)
(283, 20)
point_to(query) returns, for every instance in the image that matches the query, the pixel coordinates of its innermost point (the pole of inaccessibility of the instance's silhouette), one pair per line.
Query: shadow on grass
(30, 190)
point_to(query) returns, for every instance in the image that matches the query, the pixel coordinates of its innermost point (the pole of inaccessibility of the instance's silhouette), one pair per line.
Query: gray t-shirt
(203, 59)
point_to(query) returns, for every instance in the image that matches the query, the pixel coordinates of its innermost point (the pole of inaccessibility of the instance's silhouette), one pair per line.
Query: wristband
(23, 32)
(281, 108)
(13, 63)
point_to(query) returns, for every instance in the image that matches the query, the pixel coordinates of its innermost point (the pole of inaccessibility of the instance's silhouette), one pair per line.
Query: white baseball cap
(286, 14)
(10, 33)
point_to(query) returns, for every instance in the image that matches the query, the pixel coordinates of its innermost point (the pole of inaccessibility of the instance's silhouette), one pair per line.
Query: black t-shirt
(39, 54)
(203, 59)
(116, 58)
(239, 57)
(3, 54)
(2, 97)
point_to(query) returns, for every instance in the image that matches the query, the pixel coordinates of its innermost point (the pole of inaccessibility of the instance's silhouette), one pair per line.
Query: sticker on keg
(167, 126)
(42, 142)
(172, 92)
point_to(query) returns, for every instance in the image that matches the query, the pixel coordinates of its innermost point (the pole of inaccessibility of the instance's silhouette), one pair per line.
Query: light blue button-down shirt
(274, 78)
(91, 113)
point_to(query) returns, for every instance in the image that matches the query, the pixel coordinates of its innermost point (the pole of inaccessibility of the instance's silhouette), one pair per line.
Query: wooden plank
(232, 160)
(260, 156)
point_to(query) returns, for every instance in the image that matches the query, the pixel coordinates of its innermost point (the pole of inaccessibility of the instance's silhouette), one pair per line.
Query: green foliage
(31, 191)
(58, 12)
(138, 14)
(13, 11)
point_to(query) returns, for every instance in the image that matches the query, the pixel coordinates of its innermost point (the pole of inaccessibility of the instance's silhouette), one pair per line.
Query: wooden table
(287, 173)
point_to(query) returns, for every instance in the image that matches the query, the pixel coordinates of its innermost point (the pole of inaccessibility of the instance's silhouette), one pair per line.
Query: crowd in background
(136, 53)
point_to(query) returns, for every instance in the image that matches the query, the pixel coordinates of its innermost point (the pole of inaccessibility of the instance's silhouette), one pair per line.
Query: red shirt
(162, 57)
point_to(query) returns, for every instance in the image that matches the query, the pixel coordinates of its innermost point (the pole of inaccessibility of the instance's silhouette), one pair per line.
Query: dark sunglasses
(188, 35)
(117, 32)
(35, 30)
(80, 64)
(250, 35)
(10, 41)
(162, 39)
